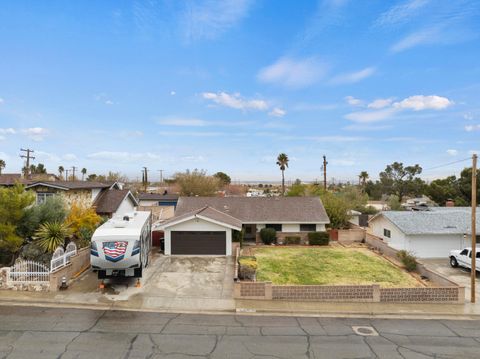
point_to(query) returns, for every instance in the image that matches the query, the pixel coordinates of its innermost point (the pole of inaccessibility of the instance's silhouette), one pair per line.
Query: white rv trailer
(120, 246)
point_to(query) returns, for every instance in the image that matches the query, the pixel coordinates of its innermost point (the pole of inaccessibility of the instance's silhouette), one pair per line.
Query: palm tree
(282, 162)
(50, 235)
(2, 165)
(363, 176)
(60, 171)
(84, 172)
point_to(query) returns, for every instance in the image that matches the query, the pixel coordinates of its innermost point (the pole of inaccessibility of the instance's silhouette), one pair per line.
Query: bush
(318, 238)
(247, 267)
(408, 260)
(268, 235)
(292, 240)
(33, 252)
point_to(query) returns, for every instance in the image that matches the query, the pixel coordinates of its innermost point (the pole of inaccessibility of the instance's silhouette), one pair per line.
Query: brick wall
(347, 293)
(423, 295)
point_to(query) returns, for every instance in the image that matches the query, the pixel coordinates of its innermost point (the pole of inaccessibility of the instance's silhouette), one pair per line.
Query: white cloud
(468, 116)
(294, 73)
(191, 134)
(208, 19)
(187, 122)
(7, 131)
(173, 93)
(277, 112)
(452, 152)
(69, 157)
(192, 158)
(35, 133)
(235, 101)
(421, 102)
(1, 100)
(380, 103)
(123, 156)
(46, 156)
(471, 128)
(370, 116)
(109, 102)
(401, 13)
(421, 37)
(473, 152)
(352, 101)
(353, 77)
(415, 103)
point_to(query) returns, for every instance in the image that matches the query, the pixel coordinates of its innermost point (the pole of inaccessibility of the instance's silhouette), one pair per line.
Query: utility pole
(473, 273)
(66, 175)
(145, 178)
(73, 173)
(29, 157)
(161, 175)
(325, 172)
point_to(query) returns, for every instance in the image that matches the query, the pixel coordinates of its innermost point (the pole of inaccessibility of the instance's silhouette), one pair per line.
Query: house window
(248, 229)
(277, 227)
(308, 227)
(43, 196)
(387, 233)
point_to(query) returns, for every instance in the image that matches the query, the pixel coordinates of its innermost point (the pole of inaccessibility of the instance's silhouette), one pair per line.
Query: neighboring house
(115, 202)
(427, 234)
(378, 205)
(9, 179)
(419, 203)
(203, 225)
(157, 199)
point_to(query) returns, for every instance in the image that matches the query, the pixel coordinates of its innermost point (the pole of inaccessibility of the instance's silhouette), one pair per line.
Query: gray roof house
(432, 233)
(203, 225)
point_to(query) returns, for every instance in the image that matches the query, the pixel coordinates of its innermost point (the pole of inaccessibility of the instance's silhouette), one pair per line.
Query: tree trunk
(283, 183)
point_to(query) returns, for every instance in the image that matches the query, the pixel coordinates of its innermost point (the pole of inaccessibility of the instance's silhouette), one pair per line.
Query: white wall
(95, 193)
(292, 227)
(434, 246)
(197, 224)
(321, 228)
(126, 207)
(422, 246)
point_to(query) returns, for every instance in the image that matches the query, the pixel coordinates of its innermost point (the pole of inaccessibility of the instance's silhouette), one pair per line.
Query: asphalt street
(34, 333)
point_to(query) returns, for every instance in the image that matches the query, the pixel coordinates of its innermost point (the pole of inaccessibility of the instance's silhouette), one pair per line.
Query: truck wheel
(453, 262)
(102, 274)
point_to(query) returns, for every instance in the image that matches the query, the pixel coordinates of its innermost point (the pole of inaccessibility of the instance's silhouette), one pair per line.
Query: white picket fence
(24, 271)
(62, 257)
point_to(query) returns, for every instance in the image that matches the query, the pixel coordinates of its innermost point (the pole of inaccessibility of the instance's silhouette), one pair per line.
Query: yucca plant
(51, 235)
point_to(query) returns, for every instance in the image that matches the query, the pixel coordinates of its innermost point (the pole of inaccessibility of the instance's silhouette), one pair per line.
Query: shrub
(51, 235)
(318, 238)
(268, 235)
(33, 252)
(82, 219)
(408, 260)
(292, 240)
(247, 267)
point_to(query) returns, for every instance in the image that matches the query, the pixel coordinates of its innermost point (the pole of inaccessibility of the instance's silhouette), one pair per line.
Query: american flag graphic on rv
(114, 251)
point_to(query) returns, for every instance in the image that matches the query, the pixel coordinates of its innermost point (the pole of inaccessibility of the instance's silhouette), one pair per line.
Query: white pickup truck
(463, 258)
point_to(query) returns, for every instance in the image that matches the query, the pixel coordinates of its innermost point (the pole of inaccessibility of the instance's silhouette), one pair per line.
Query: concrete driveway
(459, 275)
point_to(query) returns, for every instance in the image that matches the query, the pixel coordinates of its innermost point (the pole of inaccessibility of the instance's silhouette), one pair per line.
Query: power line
(447, 164)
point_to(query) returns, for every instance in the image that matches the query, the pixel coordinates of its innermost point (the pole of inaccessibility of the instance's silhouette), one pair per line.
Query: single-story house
(203, 225)
(115, 202)
(378, 205)
(157, 199)
(108, 199)
(427, 234)
(10, 179)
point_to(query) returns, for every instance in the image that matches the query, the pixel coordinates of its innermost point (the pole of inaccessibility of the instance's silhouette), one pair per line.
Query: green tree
(84, 172)
(394, 203)
(2, 165)
(39, 169)
(13, 202)
(464, 184)
(363, 176)
(51, 235)
(92, 177)
(61, 170)
(400, 180)
(298, 190)
(223, 178)
(52, 210)
(197, 183)
(337, 209)
(282, 162)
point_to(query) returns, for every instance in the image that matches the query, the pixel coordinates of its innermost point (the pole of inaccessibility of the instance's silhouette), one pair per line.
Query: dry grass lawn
(333, 266)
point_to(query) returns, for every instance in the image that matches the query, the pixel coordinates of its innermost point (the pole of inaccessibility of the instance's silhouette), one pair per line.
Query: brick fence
(348, 293)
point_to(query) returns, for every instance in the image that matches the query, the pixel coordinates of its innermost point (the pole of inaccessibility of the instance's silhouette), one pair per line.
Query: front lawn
(334, 266)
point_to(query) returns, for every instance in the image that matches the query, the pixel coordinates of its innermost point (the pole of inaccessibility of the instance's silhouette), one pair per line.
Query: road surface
(34, 333)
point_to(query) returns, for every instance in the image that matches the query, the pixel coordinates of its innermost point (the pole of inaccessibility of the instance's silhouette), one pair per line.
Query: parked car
(463, 258)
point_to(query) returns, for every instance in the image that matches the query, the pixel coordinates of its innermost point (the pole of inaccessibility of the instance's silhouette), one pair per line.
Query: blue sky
(226, 86)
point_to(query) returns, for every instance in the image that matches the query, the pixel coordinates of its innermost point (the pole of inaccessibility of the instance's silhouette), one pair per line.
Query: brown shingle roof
(110, 200)
(206, 212)
(70, 184)
(9, 179)
(260, 209)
